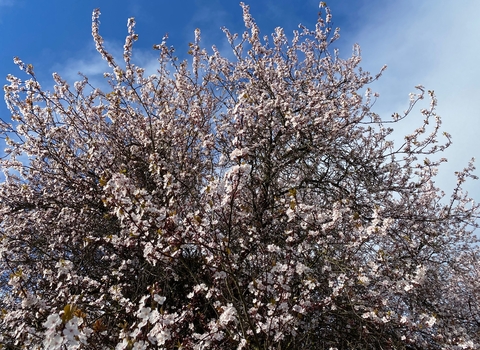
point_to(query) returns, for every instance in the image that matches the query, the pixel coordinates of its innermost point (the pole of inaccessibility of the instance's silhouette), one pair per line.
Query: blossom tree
(247, 203)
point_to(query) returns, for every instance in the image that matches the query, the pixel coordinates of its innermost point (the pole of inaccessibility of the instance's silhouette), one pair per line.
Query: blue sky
(430, 42)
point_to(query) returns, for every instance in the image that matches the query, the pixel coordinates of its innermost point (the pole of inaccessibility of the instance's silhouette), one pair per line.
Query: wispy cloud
(435, 44)
(7, 2)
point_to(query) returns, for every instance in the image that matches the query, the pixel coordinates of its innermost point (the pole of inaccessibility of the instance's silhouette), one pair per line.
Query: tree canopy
(247, 201)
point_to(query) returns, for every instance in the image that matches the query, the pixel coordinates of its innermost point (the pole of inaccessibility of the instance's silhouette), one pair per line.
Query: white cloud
(435, 44)
(91, 64)
(7, 2)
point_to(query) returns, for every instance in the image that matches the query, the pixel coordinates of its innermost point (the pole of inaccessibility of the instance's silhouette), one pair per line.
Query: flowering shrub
(246, 203)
